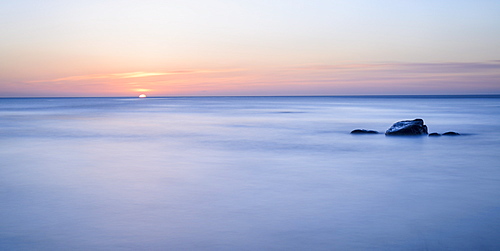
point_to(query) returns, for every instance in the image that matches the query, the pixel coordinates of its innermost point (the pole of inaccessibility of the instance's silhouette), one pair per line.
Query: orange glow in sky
(96, 48)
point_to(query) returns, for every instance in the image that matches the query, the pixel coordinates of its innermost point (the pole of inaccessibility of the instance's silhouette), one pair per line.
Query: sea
(248, 173)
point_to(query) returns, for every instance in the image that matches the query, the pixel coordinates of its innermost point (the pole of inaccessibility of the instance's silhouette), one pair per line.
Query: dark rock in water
(451, 133)
(408, 127)
(434, 134)
(363, 131)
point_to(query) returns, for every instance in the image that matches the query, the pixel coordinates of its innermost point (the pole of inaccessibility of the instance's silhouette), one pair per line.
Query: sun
(142, 95)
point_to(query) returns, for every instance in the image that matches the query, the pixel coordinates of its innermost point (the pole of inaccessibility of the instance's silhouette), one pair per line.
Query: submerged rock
(408, 127)
(434, 134)
(363, 131)
(451, 133)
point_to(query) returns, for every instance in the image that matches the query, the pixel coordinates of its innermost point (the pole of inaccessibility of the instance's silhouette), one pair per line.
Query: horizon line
(337, 95)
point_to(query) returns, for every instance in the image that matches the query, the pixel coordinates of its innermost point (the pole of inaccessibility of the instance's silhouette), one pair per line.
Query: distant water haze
(248, 173)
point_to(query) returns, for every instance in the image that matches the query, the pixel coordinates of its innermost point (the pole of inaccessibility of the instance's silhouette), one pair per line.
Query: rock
(408, 127)
(451, 133)
(434, 134)
(363, 131)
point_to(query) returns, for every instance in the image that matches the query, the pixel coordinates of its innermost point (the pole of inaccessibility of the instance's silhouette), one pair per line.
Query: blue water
(248, 173)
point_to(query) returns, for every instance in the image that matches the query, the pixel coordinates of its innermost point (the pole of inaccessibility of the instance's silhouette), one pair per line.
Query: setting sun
(142, 96)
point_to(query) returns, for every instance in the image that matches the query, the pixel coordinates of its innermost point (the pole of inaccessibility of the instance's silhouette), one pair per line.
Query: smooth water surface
(248, 173)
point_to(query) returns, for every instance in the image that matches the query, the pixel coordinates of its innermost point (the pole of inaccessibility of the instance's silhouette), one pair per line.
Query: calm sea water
(248, 173)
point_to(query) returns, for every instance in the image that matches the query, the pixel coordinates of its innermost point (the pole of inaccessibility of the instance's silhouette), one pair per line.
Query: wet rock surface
(407, 128)
(451, 134)
(363, 131)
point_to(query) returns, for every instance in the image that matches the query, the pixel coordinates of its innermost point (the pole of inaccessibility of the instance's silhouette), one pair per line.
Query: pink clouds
(139, 74)
(400, 78)
(335, 79)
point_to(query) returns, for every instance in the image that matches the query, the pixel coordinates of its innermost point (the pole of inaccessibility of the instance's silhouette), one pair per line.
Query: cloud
(450, 67)
(401, 73)
(127, 75)
(387, 77)
(334, 79)
(455, 67)
(102, 76)
(338, 67)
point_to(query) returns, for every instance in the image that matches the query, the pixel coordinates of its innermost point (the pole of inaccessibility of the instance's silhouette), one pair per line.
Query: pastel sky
(248, 47)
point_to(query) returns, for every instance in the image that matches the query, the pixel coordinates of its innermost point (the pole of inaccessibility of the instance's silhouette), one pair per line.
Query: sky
(60, 48)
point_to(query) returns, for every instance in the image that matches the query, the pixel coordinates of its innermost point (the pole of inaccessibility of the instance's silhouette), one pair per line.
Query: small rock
(434, 134)
(408, 127)
(451, 133)
(363, 131)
